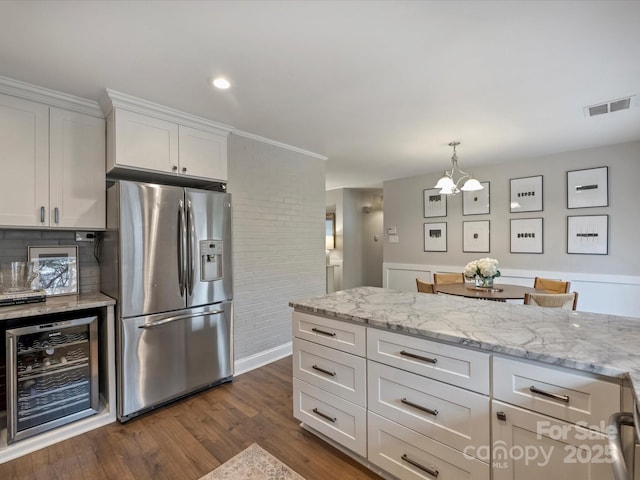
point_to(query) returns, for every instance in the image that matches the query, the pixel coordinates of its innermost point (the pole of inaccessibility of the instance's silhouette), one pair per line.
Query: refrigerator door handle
(182, 240)
(180, 317)
(191, 247)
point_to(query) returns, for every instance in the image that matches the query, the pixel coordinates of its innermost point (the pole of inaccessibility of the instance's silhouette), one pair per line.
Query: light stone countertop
(603, 344)
(64, 303)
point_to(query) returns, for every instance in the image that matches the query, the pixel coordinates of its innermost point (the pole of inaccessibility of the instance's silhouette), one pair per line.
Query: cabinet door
(77, 173)
(24, 158)
(144, 142)
(528, 446)
(202, 154)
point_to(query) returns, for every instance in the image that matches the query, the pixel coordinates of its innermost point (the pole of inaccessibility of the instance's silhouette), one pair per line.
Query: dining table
(499, 292)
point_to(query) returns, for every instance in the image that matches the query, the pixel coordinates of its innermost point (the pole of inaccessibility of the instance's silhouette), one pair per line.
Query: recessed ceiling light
(221, 83)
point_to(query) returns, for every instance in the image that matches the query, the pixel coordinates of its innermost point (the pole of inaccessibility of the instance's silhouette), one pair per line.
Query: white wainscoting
(609, 294)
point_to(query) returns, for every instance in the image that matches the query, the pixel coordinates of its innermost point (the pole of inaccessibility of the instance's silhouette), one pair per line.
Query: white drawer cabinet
(559, 393)
(337, 372)
(448, 414)
(530, 446)
(55, 175)
(455, 365)
(338, 419)
(344, 336)
(409, 455)
(329, 379)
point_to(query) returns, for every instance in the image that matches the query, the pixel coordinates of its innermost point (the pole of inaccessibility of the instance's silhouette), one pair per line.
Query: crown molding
(112, 99)
(240, 133)
(52, 98)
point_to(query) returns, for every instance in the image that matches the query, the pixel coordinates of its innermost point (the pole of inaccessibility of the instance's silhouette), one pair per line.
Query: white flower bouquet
(483, 267)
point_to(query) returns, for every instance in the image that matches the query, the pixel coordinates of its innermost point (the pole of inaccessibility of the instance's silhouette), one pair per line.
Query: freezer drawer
(166, 356)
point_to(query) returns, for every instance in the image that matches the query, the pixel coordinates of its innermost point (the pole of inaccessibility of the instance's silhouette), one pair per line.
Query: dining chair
(440, 278)
(424, 287)
(551, 286)
(566, 301)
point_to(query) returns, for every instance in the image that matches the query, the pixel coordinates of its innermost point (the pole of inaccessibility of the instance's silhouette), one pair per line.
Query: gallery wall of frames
(585, 234)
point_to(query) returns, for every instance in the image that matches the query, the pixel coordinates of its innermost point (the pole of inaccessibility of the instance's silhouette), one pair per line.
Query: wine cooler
(52, 375)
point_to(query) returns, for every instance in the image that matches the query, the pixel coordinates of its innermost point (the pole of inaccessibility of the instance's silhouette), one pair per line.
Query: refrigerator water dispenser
(210, 260)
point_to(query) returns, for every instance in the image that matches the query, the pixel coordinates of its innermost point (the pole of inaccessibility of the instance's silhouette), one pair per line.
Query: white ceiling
(379, 87)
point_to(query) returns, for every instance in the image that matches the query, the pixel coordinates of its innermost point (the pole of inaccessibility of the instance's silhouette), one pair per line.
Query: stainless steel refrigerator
(166, 259)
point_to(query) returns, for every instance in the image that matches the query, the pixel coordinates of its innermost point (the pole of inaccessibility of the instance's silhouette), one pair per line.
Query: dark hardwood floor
(191, 437)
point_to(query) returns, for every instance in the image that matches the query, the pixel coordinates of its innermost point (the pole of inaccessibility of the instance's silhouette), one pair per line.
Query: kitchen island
(524, 364)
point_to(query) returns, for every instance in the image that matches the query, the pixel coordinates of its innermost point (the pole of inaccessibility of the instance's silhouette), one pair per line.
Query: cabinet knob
(184, 169)
(174, 168)
(501, 416)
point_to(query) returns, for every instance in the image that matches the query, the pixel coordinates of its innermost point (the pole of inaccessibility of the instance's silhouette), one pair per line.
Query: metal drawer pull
(315, 367)
(56, 215)
(431, 471)
(42, 214)
(419, 357)
(555, 396)
(324, 415)
(419, 407)
(317, 330)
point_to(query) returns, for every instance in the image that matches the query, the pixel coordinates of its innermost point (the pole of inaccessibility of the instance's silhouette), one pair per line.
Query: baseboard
(261, 359)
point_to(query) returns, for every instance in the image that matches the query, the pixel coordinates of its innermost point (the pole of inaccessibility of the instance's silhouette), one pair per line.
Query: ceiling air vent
(609, 107)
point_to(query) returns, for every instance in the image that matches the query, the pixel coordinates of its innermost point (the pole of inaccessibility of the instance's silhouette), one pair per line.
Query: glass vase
(484, 282)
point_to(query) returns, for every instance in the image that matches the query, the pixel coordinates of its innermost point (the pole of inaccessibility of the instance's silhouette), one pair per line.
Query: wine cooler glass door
(53, 377)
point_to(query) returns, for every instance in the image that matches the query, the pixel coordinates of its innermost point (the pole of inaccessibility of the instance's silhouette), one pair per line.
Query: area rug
(253, 463)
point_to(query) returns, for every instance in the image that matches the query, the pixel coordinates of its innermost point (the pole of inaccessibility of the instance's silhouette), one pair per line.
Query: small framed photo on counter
(57, 268)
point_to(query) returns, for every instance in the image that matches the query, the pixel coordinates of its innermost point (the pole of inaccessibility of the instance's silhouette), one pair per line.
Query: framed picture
(526, 194)
(475, 236)
(57, 269)
(435, 204)
(526, 235)
(588, 188)
(588, 234)
(435, 237)
(477, 202)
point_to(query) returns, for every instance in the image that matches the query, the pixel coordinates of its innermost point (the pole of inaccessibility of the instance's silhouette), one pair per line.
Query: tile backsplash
(14, 243)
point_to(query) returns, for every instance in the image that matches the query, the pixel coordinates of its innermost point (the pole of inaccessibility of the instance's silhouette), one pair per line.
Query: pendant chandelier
(448, 185)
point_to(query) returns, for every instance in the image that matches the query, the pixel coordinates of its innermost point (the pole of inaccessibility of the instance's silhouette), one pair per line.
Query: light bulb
(221, 83)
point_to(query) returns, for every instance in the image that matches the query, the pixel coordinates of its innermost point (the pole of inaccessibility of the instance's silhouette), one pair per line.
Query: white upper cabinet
(76, 170)
(53, 166)
(146, 137)
(202, 154)
(24, 157)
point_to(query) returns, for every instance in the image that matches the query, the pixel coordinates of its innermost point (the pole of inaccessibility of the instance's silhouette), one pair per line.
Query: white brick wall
(14, 243)
(278, 205)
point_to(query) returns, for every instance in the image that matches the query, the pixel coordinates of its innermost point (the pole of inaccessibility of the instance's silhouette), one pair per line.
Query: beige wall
(403, 208)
